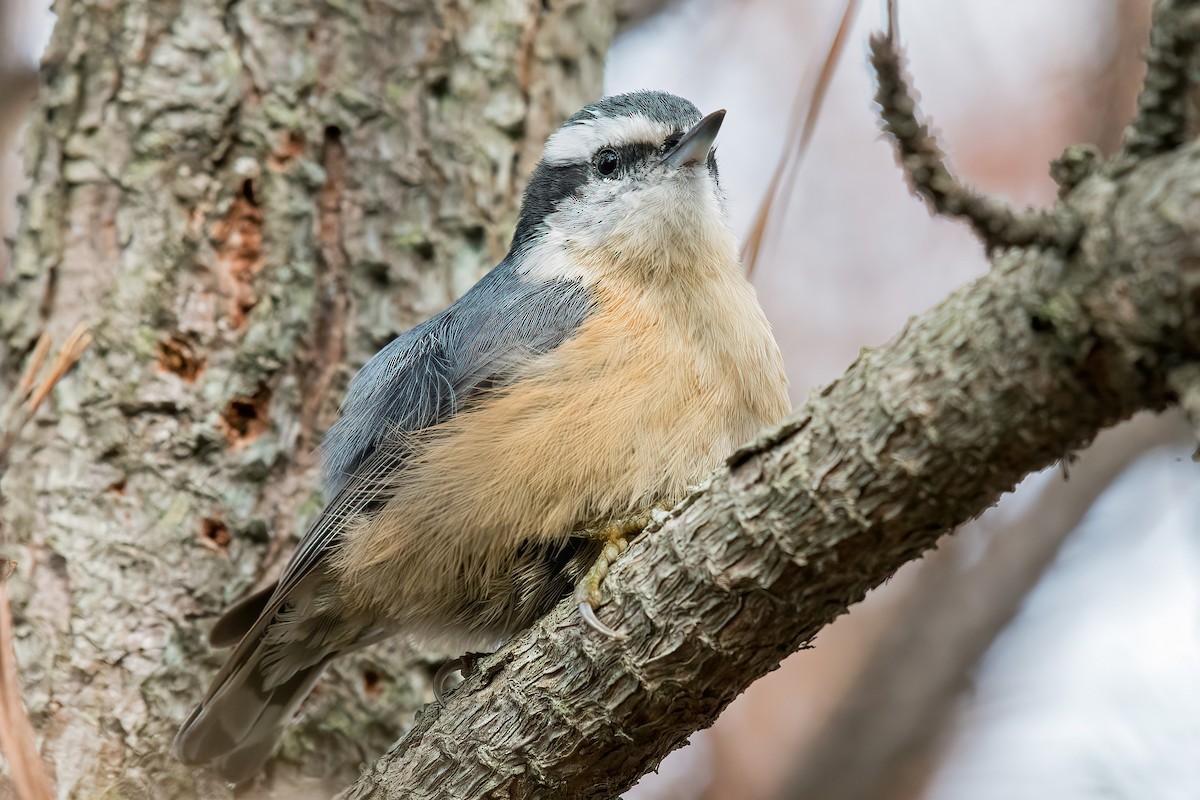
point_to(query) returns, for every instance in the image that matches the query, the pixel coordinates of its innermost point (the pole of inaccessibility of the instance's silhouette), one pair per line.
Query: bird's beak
(694, 146)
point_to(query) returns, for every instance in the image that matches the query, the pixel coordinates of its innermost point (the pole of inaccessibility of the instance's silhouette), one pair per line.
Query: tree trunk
(242, 200)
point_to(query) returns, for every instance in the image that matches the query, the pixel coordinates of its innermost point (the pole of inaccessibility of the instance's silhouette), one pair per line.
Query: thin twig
(923, 161)
(71, 352)
(1164, 119)
(806, 110)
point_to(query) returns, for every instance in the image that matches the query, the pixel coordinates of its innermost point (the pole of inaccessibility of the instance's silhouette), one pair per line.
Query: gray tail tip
(206, 745)
(199, 741)
(183, 748)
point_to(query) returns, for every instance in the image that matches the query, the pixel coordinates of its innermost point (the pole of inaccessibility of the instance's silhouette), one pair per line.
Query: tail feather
(286, 641)
(239, 618)
(239, 725)
(285, 634)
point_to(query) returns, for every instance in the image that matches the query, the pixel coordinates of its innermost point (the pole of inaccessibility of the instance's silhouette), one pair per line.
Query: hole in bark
(51, 291)
(476, 237)
(214, 534)
(517, 131)
(1040, 324)
(245, 418)
(378, 273)
(1095, 369)
(176, 354)
(333, 134)
(439, 87)
(117, 486)
(248, 192)
(372, 682)
(424, 250)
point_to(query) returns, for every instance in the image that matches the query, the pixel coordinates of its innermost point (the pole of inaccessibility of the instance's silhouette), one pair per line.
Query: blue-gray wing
(424, 377)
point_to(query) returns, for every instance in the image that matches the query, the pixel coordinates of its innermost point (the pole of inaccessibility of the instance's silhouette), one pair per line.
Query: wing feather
(421, 378)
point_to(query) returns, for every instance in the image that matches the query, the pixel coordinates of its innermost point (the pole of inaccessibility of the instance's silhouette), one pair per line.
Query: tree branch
(1166, 116)
(924, 163)
(1004, 377)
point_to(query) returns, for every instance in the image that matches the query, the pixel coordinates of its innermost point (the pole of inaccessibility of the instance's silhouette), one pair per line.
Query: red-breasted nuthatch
(493, 457)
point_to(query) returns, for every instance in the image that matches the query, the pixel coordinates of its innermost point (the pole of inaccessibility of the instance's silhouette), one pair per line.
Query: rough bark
(241, 199)
(1064, 337)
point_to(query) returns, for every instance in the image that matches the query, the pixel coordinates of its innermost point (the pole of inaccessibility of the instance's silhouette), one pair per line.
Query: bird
(495, 458)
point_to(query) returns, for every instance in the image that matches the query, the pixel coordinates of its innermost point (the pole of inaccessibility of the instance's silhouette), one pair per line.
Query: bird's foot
(615, 536)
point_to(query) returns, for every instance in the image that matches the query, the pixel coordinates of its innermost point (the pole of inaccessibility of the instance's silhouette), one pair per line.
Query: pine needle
(33, 390)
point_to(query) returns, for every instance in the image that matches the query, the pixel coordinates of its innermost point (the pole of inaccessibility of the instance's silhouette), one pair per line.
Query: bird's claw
(464, 664)
(441, 676)
(589, 616)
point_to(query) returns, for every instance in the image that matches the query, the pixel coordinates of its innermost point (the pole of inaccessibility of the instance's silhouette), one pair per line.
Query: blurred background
(1051, 648)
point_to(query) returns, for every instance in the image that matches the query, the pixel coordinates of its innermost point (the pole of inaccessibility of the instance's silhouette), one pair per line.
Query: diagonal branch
(1004, 377)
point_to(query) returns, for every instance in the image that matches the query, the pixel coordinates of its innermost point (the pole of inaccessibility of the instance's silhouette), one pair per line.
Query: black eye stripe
(634, 153)
(628, 156)
(549, 185)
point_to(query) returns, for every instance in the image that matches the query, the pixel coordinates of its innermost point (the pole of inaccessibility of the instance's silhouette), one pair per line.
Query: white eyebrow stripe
(577, 142)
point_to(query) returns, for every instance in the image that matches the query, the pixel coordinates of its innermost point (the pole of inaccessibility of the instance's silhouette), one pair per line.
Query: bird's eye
(607, 162)
(671, 141)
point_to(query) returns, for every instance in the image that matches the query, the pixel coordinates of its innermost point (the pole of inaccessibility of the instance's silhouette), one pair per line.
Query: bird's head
(629, 182)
